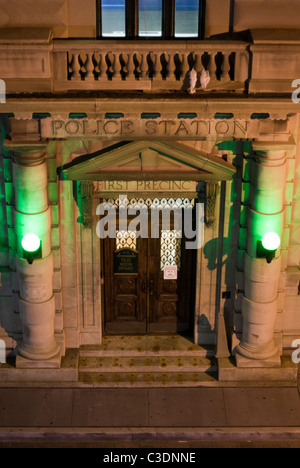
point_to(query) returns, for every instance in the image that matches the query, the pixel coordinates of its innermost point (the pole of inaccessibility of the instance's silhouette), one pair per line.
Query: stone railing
(37, 63)
(149, 66)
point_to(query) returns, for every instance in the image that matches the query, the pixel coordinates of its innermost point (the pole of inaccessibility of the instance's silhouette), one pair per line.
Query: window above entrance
(126, 240)
(170, 248)
(154, 203)
(165, 19)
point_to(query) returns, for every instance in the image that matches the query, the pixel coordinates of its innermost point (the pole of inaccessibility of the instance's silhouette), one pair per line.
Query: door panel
(125, 293)
(169, 312)
(143, 301)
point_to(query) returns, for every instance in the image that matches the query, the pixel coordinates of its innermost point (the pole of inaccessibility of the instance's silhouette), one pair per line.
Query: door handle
(151, 287)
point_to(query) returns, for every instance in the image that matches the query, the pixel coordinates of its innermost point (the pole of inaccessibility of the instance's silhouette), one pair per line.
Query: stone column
(265, 214)
(32, 214)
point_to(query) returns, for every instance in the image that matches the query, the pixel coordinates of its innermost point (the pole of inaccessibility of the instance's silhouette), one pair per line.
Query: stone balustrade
(148, 66)
(58, 66)
(154, 63)
(43, 64)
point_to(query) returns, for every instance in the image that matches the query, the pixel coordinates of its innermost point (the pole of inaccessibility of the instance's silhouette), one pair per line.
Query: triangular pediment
(145, 160)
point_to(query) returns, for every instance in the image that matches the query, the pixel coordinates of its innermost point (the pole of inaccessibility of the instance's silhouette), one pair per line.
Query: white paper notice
(170, 272)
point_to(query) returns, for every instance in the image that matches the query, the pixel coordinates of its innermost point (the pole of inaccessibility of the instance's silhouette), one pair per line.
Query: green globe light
(271, 241)
(31, 242)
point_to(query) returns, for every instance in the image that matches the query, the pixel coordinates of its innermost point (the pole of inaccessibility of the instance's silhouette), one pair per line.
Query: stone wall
(67, 18)
(10, 324)
(276, 14)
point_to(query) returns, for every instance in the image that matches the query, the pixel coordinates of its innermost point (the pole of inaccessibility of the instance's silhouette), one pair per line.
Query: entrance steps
(141, 361)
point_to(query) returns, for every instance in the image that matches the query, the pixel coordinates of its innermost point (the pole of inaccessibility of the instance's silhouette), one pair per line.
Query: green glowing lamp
(271, 241)
(266, 248)
(32, 247)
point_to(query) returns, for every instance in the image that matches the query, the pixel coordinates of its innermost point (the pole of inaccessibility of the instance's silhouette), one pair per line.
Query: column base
(258, 373)
(261, 353)
(39, 354)
(52, 363)
(243, 362)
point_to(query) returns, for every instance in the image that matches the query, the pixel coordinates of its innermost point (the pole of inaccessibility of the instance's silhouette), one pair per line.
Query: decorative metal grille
(159, 203)
(170, 248)
(126, 240)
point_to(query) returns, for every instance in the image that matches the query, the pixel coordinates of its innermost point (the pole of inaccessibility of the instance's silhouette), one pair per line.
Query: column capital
(25, 141)
(274, 146)
(29, 153)
(270, 153)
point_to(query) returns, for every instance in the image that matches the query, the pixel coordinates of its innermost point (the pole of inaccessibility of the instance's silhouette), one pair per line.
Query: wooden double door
(147, 284)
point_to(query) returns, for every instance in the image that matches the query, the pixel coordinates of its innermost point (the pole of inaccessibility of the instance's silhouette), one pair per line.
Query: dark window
(151, 18)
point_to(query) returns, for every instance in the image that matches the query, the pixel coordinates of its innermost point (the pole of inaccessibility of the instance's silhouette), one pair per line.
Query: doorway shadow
(210, 251)
(217, 261)
(222, 253)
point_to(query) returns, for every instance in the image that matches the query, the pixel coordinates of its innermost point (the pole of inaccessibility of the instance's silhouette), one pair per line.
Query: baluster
(213, 65)
(198, 66)
(205, 62)
(144, 65)
(184, 65)
(97, 59)
(131, 66)
(157, 66)
(138, 60)
(111, 63)
(124, 62)
(103, 66)
(178, 59)
(152, 62)
(164, 60)
(171, 67)
(118, 67)
(137, 69)
(225, 67)
(89, 67)
(76, 67)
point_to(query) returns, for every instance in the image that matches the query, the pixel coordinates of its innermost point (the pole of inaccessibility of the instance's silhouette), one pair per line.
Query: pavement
(63, 411)
(102, 417)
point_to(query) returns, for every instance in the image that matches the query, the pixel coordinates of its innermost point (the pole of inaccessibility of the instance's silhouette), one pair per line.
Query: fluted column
(265, 214)
(32, 215)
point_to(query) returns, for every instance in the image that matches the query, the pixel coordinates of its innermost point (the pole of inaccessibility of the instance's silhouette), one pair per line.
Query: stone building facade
(85, 119)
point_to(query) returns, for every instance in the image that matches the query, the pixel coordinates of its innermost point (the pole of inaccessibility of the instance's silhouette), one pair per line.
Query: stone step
(145, 364)
(155, 346)
(153, 379)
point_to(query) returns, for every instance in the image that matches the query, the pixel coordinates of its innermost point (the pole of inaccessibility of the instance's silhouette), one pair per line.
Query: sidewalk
(228, 407)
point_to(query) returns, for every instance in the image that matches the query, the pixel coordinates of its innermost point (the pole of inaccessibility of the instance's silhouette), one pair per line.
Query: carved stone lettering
(144, 186)
(136, 127)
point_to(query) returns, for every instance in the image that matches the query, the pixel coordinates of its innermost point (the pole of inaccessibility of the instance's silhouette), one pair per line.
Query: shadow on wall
(225, 260)
(210, 251)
